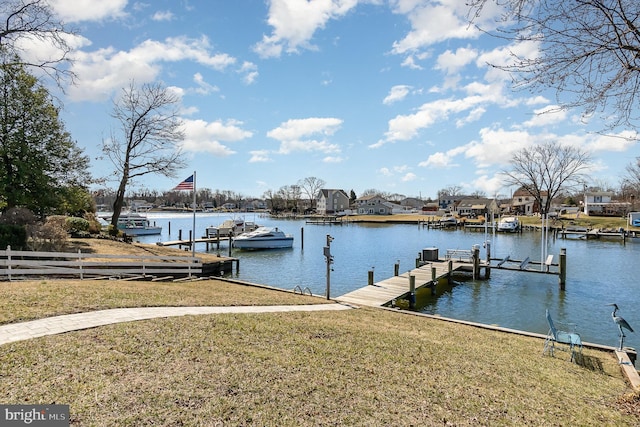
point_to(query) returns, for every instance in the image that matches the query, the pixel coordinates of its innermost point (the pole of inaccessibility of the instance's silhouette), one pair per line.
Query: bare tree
(150, 131)
(23, 22)
(589, 51)
(451, 190)
(310, 186)
(546, 169)
(632, 177)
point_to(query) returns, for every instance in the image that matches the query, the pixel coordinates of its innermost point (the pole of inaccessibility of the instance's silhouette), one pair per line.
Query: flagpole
(193, 228)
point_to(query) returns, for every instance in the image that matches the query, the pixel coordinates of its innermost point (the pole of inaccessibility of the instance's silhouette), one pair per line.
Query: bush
(14, 236)
(18, 216)
(75, 225)
(50, 236)
(94, 225)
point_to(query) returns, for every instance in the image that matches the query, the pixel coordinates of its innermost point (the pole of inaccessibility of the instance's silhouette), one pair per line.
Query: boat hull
(149, 231)
(266, 243)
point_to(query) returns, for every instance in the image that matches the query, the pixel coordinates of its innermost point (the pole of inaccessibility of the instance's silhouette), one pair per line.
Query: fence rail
(88, 265)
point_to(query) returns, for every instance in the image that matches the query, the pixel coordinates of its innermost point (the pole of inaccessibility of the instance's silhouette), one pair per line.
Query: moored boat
(230, 227)
(264, 238)
(509, 224)
(134, 224)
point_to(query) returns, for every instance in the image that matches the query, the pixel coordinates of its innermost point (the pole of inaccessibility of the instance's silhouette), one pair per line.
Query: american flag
(187, 184)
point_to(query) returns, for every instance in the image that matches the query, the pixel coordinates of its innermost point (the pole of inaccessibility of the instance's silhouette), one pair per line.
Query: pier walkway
(383, 292)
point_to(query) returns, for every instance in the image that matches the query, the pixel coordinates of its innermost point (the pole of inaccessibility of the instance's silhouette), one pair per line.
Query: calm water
(599, 271)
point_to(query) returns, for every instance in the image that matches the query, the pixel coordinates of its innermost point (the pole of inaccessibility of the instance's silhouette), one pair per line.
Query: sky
(392, 95)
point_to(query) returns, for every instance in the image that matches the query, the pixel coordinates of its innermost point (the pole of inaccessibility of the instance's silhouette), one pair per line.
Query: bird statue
(621, 323)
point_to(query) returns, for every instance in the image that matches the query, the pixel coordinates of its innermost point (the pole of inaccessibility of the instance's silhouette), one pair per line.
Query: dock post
(412, 291)
(169, 228)
(370, 283)
(396, 268)
(487, 270)
(230, 241)
(476, 262)
(434, 281)
(562, 266)
(302, 238)
(449, 271)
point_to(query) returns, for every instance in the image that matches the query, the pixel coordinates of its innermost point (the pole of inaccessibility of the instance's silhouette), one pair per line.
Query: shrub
(18, 216)
(94, 225)
(75, 225)
(13, 235)
(50, 236)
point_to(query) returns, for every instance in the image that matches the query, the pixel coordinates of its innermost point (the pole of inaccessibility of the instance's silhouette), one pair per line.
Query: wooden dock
(383, 292)
(433, 268)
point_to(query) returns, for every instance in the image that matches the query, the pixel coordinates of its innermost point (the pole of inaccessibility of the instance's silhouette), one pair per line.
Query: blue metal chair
(570, 339)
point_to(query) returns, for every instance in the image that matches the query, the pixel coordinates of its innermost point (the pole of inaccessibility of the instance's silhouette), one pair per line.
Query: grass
(358, 367)
(30, 300)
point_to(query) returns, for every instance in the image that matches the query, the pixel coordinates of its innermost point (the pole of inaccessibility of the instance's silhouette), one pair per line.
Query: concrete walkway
(73, 322)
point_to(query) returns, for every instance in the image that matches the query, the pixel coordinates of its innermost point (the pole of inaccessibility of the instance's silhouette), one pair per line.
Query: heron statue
(621, 323)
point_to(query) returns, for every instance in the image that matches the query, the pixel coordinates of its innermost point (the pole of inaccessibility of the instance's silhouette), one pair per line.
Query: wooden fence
(14, 264)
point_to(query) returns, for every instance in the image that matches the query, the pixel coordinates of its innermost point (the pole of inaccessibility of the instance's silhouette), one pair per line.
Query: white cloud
(164, 15)
(619, 142)
(549, 115)
(385, 172)
(433, 22)
(294, 22)
(88, 10)
(105, 70)
(259, 156)
(397, 93)
(202, 136)
(250, 72)
(333, 159)
(406, 127)
(410, 63)
(452, 62)
(296, 135)
(204, 88)
(491, 185)
(409, 177)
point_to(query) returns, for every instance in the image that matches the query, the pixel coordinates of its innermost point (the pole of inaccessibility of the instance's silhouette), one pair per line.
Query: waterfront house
(600, 203)
(524, 203)
(475, 207)
(373, 205)
(331, 202)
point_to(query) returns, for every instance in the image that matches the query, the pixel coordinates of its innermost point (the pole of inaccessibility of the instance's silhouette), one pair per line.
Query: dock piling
(562, 266)
(412, 291)
(434, 280)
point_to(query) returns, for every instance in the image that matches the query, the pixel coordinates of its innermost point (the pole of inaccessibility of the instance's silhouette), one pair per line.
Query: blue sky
(391, 95)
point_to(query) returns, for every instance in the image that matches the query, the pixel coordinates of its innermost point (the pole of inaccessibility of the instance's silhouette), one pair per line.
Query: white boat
(509, 224)
(263, 238)
(133, 224)
(448, 220)
(230, 227)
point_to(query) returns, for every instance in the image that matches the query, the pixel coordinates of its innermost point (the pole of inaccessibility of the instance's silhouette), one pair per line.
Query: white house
(599, 203)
